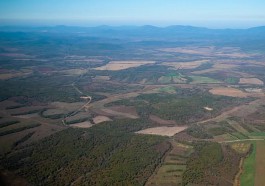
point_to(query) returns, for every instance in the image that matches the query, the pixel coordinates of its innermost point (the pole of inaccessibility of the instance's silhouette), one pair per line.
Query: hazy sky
(210, 13)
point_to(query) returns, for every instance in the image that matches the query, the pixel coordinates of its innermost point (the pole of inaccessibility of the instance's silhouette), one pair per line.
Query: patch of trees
(205, 156)
(106, 154)
(134, 75)
(77, 120)
(222, 127)
(212, 164)
(185, 106)
(198, 131)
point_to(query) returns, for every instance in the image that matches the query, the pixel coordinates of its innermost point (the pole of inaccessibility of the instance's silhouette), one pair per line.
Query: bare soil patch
(162, 131)
(121, 114)
(100, 119)
(252, 81)
(125, 109)
(74, 71)
(227, 91)
(121, 65)
(85, 124)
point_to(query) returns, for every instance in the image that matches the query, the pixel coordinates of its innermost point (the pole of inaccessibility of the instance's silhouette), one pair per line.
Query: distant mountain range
(147, 32)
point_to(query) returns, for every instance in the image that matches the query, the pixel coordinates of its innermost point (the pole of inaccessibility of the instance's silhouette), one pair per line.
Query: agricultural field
(85, 108)
(260, 163)
(162, 131)
(121, 65)
(249, 168)
(171, 170)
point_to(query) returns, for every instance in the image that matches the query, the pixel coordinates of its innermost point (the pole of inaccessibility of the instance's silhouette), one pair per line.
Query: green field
(173, 166)
(248, 176)
(203, 80)
(231, 80)
(257, 135)
(168, 89)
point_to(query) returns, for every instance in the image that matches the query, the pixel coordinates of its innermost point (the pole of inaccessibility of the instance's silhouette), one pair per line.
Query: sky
(207, 13)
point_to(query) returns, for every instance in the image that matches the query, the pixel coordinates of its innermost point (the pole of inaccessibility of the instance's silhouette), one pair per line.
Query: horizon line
(124, 25)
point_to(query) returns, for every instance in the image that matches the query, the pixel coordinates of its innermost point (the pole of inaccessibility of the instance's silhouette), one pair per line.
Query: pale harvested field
(74, 71)
(121, 114)
(252, 81)
(100, 119)
(112, 98)
(161, 121)
(226, 91)
(125, 109)
(121, 65)
(162, 131)
(185, 65)
(217, 67)
(85, 124)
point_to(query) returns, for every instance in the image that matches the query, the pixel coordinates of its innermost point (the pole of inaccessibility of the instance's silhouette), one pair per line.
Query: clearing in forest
(227, 91)
(85, 124)
(171, 170)
(121, 65)
(100, 119)
(252, 81)
(162, 131)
